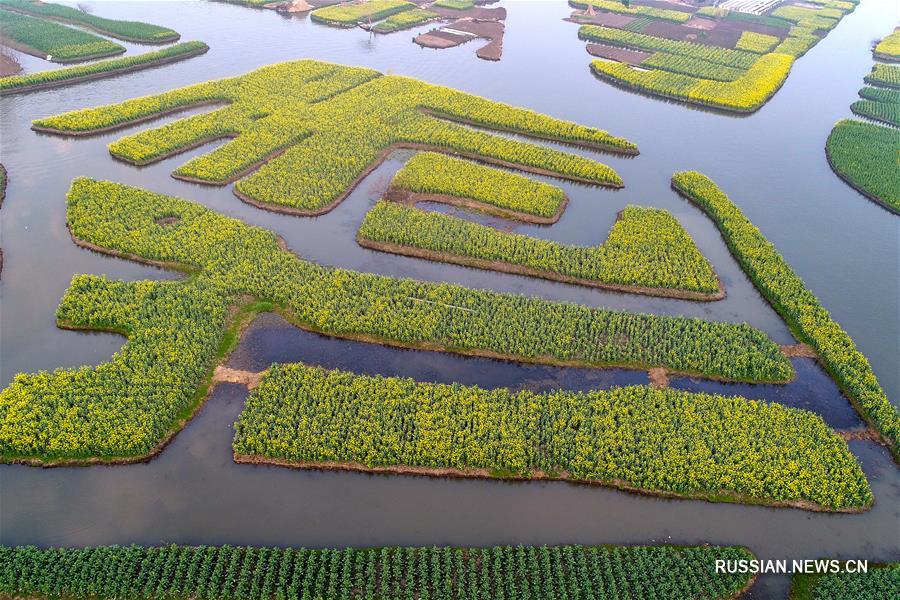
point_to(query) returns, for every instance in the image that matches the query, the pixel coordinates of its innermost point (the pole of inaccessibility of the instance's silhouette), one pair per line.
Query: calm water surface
(772, 165)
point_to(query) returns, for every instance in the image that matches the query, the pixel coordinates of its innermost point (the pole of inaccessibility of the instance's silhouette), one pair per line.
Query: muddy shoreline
(722, 496)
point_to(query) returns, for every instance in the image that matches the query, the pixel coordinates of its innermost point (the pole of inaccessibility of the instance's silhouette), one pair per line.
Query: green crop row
(759, 43)
(886, 112)
(797, 44)
(696, 67)
(879, 581)
(747, 93)
(455, 4)
(313, 172)
(865, 155)
(433, 173)
(404, 20)
(31, 81)
(889, 47)
(797, 305)
(640, 41)
(818, 18)
(54, 41)
(350, 14)
(646, 248)
(125, 406)
(654, 440)
(391, 573)
(879, 94)
(132, 31)
(613, 6)
(884, 75)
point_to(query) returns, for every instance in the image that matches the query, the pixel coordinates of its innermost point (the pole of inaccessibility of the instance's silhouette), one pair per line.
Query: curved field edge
(141, 226)
(57, 12)
(882, 580)
(41, 80)
(388, 573)
(662, 442)
(717, 97)
(398, 228)
(809, 321)
(291, 137)
(864, 156)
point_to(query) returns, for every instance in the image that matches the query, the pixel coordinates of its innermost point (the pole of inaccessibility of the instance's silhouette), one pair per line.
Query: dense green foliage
(884, 75)
(173, 331)
(404, 20)
(455, 4)
(696, 67)
(662, 440)
(311, 111)
(433, 173)
(886, 112)
(640, 41)
(646, 247)
(392, 573)
(881, 581)
(799, 307)
(57, 42)
(124, 30)
(756, 42)
(747, 93)
(613, 6)
(889, 47)
(879, 94)
(127, 405)
(348, 15)
(866, 155)
(23, 83)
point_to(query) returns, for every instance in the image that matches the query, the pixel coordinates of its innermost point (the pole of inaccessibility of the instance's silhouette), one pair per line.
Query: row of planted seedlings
(176, 332)
(864, 152)
(740, 78)
(391, 573)
(647, 250)
(42, 29)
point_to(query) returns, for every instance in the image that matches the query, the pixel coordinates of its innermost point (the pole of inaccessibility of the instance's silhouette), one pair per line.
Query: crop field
(348, 15)
(613, 6)
(888, 49)
(132, 31)
(312, 117)
(74, 74)
(172, 367)
(664, 441)
(404, 20)
(881, 581)
(326, 313)
(797, 305)
(725, 73)
(865, 155)
(884, 75)
(53, 41)
(647, 251)
(390, 573)
(494, 190)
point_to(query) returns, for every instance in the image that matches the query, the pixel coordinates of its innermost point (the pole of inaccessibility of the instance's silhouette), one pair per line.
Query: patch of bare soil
(717, 36)
(465, 30)
(9, 65)
(224, 374)
(799, 351)
(700, 23)
(623, 55)
(659, 378)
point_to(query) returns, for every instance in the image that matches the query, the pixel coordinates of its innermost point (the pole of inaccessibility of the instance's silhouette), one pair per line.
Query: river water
(772, 164)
